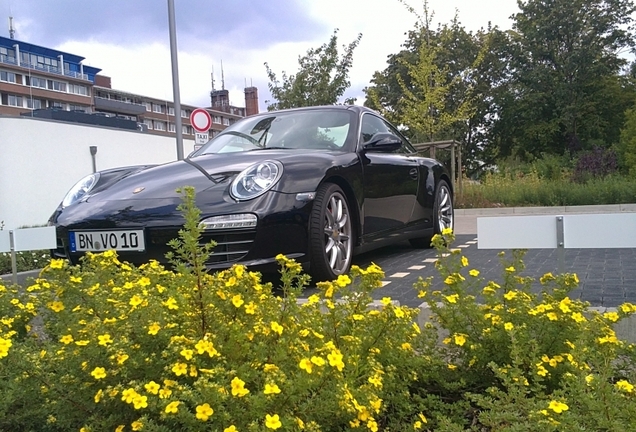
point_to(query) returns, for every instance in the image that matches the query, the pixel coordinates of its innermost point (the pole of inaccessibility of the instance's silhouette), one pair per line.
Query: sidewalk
(466, 219)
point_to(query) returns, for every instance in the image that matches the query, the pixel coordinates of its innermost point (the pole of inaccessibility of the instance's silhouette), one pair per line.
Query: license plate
(99, 241)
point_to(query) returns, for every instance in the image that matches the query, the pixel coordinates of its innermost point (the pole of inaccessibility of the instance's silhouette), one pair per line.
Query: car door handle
(413, 173)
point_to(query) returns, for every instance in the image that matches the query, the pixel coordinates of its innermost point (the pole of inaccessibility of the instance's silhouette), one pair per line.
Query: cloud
(241, 23)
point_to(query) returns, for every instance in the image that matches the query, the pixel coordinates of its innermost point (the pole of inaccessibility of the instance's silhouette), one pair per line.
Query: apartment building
(35, 78)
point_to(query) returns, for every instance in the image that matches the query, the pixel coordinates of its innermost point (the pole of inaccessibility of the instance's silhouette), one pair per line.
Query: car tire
(330, 234)
(443, 215)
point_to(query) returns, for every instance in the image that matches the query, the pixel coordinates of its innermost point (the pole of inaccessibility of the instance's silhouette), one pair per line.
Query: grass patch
(531, 190)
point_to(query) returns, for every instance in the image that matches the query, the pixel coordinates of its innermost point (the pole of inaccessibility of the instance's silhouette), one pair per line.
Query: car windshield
(326, 129)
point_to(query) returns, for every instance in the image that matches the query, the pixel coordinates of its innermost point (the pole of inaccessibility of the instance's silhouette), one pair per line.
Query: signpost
(201, 122)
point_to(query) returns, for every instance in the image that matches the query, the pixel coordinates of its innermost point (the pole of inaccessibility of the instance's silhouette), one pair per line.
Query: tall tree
(440, 86)
(566, 62)
(322, 78)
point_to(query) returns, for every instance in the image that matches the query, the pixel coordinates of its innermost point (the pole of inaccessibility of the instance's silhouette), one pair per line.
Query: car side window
(372, 125)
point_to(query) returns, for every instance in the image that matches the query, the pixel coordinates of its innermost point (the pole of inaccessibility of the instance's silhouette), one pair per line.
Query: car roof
(355, 108)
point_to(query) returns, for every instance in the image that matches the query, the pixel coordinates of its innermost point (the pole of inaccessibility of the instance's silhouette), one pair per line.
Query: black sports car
(317, 184)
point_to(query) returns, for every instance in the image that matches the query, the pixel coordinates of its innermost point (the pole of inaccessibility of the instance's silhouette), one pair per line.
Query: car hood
(215, 172)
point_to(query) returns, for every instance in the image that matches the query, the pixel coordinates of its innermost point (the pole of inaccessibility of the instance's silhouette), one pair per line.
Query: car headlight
(80, 189)
(256, 180)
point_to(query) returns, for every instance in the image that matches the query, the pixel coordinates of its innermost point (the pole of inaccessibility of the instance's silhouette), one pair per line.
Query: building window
(171, 111)
(15, 101)
(57, 105)
(34, 103)
(56, 85)
(160, 126)
(171, 127)
(183, 113)
(217, 119)
(186, 130)
(158, 108)
(148, 123)
(226, 122)
(78, 89)
(148, 106)
(7, 76)
(35, 81)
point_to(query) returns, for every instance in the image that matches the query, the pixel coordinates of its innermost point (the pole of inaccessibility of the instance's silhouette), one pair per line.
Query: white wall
(41, 159)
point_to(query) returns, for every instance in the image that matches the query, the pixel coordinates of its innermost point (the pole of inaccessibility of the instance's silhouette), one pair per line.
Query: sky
(129, 39)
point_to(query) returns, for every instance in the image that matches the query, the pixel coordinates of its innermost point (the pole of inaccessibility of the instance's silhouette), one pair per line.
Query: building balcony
(117, 106)
(43, 68)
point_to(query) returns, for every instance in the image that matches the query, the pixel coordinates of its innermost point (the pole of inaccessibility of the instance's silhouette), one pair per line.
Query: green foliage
(29, 260)
(499, 190)
(109, 346)
(627, 147)
(322, 78)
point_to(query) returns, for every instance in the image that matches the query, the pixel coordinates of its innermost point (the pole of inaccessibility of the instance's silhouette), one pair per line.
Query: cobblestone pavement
(607, 276)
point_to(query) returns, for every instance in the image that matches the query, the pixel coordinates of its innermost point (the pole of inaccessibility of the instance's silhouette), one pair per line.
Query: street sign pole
(175, 79)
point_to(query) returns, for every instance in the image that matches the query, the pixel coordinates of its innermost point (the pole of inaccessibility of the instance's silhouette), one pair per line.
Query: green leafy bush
(110, 347)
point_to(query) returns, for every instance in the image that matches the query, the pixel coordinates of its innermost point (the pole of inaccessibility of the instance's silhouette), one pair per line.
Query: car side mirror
(383, 142)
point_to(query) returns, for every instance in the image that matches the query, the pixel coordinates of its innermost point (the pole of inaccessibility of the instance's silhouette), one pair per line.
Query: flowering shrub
(110, 347)
(122, 348)
(529, 361)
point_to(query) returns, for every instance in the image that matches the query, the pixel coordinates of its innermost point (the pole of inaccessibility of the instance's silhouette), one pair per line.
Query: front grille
(231, 245)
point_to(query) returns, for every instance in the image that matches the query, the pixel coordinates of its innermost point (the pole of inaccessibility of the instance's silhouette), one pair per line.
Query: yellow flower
(137, 425)
(452, 298)
(99, 373)
(135, 301)
(98, 395)
(306, 365)
(121, 358)
(510, 295)
(612, 316)
(57, 263)
(56, 306)
(231, 428)
(552, 316)
(510, 269)
(187, 353)
(372, 425)
(237, 301)
(447, 231)
(140, 401)
(165, 393)
(509, 326)
(578, 317)
(276, 327)
(343, 281)
(250, 308)
(120, 428)
(386, 301)
(154, 328)
(376, 380)
(314, 298)
(589, 378)
(238, 387)
(104, 339)
(558, 407)
(624, 386)
(180, 369)
(204, 411)
(272, 422)
(152, 387)
(318, 361)
(171, 303)
(460, 339)
(335, 360)
(474, 272)
(399, 312)
(464, 261)
(451, 366)
(172, 407)
(271, 389)
(67, 339)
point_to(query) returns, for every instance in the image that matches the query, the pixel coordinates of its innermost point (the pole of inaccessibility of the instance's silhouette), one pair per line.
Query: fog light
(246, 220)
